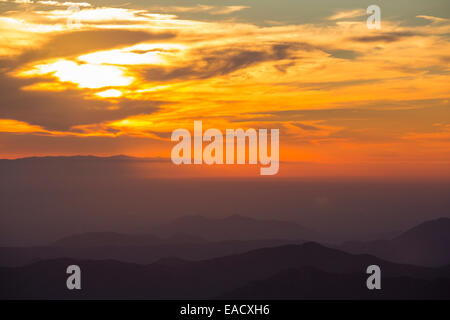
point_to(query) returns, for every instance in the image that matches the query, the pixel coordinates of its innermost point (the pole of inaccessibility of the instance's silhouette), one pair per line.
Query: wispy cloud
(64, 4)
(347, 14)
(144, 72)
(228, 9)
(433, 19)
(214, 10)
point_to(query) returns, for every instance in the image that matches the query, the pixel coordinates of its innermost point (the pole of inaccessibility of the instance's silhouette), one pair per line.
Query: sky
(117, 77)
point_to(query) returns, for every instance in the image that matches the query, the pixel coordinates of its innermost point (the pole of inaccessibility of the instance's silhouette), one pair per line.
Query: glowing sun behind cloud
(338, 91)
(111, 93)
(91, 76)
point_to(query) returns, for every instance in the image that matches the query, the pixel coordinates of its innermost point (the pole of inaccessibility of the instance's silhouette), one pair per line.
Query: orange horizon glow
(342, 95)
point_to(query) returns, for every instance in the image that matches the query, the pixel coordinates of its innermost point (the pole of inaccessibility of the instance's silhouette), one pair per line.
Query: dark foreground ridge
(293, 271)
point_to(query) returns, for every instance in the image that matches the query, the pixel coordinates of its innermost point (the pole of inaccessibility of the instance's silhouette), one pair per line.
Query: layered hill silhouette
(207, 238)
(143, 253)
(101, 239)
(230, 276)
(426, 244)
(236, 227)
(199, 229)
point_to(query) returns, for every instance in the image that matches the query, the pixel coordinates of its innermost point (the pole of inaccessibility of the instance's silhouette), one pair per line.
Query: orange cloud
(337, 90)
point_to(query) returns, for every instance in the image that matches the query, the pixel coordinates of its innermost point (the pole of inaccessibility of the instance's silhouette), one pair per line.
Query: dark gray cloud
(306, 126)
(344, 54)
(61, 110)
(431, 69)
(379, 121)
(81, 42)
(218, 62)
(384, 110)
(330, 85)
(282, 67)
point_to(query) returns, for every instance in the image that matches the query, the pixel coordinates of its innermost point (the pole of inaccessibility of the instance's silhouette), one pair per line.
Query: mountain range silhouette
(207, 238)
(170, 264)
(425, 244)
(232, 276)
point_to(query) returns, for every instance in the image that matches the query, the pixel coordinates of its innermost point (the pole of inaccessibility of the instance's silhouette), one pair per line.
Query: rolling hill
(178, 279)
(426, 244)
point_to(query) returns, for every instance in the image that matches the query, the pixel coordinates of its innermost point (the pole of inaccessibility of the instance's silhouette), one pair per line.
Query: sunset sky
(120, 81)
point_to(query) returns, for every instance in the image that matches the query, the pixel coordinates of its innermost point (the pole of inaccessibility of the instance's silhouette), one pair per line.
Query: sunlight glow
(111, 93)
(86, 75)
